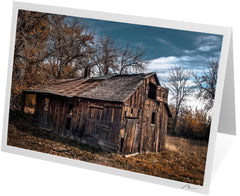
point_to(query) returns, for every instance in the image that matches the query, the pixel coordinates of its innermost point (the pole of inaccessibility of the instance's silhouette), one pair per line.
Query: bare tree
(179, 88)
(131, 61)
(71, 44)
(106, 55)
(206, 84)
(120, 60)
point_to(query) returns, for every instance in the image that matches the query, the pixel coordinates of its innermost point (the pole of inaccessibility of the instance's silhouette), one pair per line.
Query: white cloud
(206, 48)
(210, 38)
(208, 43)
(162, 66)
(191, 101)
(189, 51)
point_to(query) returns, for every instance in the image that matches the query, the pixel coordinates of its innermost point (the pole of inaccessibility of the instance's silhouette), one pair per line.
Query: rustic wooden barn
(118, 113)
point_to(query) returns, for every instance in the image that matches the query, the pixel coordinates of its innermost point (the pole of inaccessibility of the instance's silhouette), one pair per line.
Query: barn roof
(116, 88)
(69, 88)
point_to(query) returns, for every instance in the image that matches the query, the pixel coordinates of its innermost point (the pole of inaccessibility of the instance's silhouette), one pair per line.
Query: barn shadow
(25, 123)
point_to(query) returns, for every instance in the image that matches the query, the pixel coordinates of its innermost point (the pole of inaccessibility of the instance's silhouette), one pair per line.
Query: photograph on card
(127, 96)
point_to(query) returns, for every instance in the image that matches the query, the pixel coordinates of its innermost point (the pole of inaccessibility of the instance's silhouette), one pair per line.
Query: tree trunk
(175, 121)
(105, 71)
(86, 72)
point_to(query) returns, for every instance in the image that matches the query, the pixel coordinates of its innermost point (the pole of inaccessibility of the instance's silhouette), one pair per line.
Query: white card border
(225, 31)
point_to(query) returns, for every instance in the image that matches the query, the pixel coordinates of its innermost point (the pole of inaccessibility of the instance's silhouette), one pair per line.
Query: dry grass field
(182, 160)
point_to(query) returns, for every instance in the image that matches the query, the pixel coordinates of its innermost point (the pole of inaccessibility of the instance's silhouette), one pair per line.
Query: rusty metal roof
(117, 88)
(109, 88)
(69, 88)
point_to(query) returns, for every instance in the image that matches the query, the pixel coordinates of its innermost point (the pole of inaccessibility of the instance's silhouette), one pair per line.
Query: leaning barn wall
(140, 134)
(102, 124)
(131, 122)
(50, 112)
(96, 123)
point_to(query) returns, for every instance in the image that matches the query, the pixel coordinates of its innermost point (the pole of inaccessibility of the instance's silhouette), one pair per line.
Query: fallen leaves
(185, 163)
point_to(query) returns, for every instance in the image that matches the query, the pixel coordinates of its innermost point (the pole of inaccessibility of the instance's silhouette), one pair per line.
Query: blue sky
(163, 47)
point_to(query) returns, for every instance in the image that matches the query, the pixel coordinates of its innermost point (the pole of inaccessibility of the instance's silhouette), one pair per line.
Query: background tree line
(192, 123)
(187, 122)
(49, 47)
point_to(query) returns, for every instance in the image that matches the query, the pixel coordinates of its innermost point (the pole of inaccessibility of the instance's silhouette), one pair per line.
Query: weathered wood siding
(140, 134)
(103, 124)
(131, 121)
(96, 123)
(137, 125)
(52, 116)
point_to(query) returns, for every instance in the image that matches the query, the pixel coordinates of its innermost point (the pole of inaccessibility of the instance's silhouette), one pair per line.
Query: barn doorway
(46, 113)
(121, 144)
(152, 91)
(68, 126)
(68, 120)
(131, 142)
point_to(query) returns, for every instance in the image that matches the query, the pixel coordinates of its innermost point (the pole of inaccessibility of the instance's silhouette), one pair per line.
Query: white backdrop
(21, 175)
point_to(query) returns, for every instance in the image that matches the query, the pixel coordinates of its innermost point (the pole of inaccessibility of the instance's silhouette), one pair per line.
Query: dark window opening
(46, 104)
(121, 144)
(68, 124)
(132, 113)
(139, 149)
(131, 110)
(153, 118)
(152, 91)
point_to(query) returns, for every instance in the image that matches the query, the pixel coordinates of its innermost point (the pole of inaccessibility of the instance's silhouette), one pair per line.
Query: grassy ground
(182, 160)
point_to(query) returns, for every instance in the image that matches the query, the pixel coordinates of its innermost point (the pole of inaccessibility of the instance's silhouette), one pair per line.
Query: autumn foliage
(192, 123)
(50, 47)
